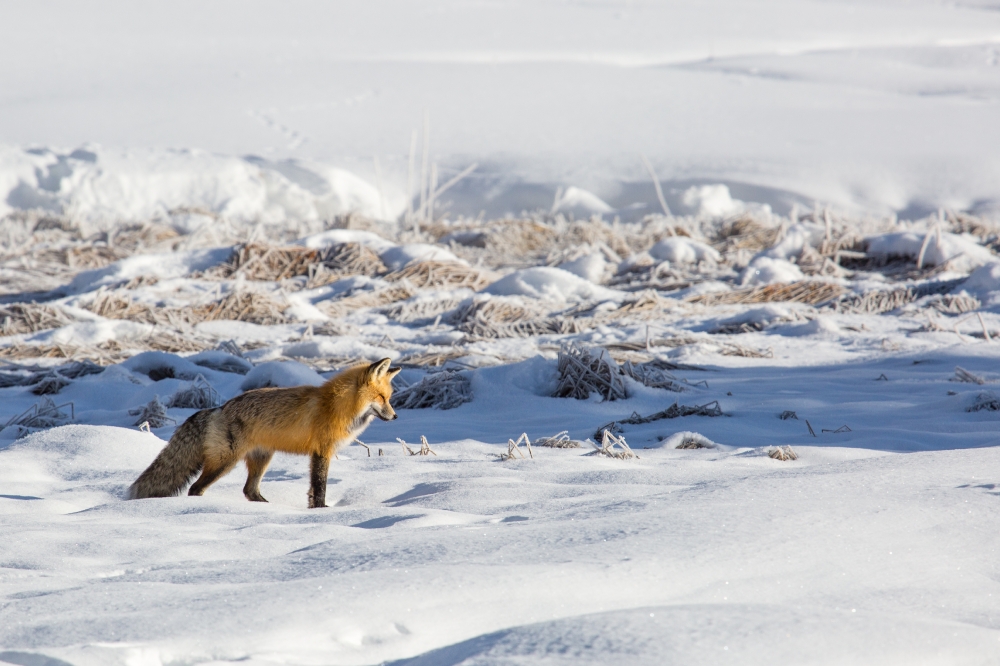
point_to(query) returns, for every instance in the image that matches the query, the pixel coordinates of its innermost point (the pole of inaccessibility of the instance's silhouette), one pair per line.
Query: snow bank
(547, 283)
(963, 253)
(681, 250)
(281, 373)
(396, 258)
(97, 185)
(766, 270)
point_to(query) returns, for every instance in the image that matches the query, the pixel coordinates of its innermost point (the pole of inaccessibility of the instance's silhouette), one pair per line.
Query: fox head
(375, 388)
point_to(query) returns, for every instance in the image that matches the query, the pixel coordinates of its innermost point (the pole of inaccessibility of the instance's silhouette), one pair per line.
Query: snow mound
(591, 267)
(281, 373)
(767, 270)
(984, 282)
(580, 203)
(162, 365)
(762, 316)
(962, 253)
(711, 200)
(337, 236)
(547, 283)
(162, 266)
(680, 250)
(796, 239)
(679, 438)
(397, 257)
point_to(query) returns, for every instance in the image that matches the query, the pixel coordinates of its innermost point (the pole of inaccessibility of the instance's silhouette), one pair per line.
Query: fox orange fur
(309, 420)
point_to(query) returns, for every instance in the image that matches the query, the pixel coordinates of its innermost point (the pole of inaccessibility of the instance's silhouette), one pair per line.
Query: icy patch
(547, 283)
(766, 270)
(680, 250)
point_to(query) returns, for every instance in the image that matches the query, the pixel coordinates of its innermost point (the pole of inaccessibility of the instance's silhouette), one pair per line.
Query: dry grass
(672, 412)
(514, 449)
(810, 292)
(21, 318)
(248, 306)
(420, 309)
(560, 440)
(337, 308)
(441, 390)
(613, 446)
(271, 263)
(583, 371)
(432, 359)
(441, 274)
(745, 233)
(783, 453)
(153, 414)
(487, 319)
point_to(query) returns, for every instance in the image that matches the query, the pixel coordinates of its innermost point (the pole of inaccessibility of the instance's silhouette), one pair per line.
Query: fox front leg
(319, 465)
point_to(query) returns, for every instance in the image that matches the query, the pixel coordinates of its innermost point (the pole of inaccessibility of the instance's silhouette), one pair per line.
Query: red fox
(311, 420)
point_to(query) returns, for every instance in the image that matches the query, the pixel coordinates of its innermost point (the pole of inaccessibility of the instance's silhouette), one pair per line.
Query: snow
(548, 283)
(680, 250)
(581, 203)
(397, 258)
(252, 121)
(280, 373)
(795, 239)
(338, 236)
(591, 267)
(959, 252)
(984, 282)
(766, 270)
(171, 265)
(676, 555)
(711, 201)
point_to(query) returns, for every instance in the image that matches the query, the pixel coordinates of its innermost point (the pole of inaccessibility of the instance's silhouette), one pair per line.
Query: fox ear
(393, 372)
(378, 369)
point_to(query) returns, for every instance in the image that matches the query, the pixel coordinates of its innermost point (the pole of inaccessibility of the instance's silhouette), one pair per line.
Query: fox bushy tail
(177, 463)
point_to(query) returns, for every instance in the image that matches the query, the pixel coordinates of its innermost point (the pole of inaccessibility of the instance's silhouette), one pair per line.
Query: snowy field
(760, 396)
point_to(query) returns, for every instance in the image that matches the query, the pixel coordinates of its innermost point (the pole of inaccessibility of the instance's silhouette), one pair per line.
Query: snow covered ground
(198, 200)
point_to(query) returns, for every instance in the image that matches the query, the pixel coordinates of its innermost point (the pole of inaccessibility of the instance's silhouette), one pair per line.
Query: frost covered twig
(613, 447)
(560, 440)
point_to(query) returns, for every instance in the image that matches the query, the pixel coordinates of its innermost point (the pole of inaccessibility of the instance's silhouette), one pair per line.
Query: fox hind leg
(212, 472)
(319, 465)
(257, 462)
